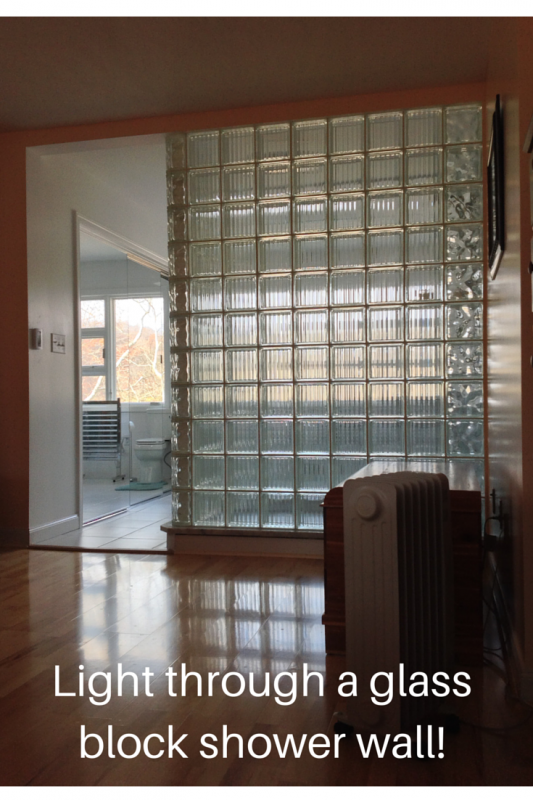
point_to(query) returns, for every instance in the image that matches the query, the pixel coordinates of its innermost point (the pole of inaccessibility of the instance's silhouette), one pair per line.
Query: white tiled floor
(100, 497)
(139, 528)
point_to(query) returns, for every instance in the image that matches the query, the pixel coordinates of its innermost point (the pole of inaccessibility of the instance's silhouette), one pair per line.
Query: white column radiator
(399, 586)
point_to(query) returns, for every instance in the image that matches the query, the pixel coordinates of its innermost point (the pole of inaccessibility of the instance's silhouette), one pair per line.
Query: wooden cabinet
(465, 502)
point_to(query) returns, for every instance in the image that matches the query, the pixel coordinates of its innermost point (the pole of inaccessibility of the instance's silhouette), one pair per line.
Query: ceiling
(66, 71)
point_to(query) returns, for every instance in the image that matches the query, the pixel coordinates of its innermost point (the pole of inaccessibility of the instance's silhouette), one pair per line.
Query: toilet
(152, 450)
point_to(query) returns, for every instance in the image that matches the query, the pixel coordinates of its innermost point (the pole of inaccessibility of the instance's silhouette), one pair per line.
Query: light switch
(58, 343)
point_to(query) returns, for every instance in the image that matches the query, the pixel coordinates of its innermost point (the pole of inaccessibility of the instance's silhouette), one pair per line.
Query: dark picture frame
(495, 187)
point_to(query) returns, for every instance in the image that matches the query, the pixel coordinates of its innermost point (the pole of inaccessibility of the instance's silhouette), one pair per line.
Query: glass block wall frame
(326, 298)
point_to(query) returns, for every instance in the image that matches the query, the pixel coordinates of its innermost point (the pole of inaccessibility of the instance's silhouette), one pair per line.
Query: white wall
(122, 188)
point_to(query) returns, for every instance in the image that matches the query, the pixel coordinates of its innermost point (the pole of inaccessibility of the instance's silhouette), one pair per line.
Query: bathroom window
(139, 349)
(94, 335)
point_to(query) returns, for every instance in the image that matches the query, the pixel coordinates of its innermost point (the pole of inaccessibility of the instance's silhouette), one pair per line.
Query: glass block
(180, 367)
(207, 366)
(204, 186)
(276, 400)
(206, 330)
(178, 260)
(425, 437)
(348, 400)
(309, 138)
(464, 242)
(207, 401)
(241, 401)
(310, 176)
(347, 250)
(242, 509)
(242, 436)
(240, 293)
(203, 149)
(274, 179)
(208, 509)
(240, 330)
(311, 289)
(423, 167)
(205, 259)
(241, 366)
(347, 325)
(423, 245)
(237, 145)
(463, 124)
(464, 360)
(464, 399)
(309, 516)
(347, 287)
(206, 294)
(386, 437)
(312, 400)
(385, 247)
(238, 220)
(343, 468)
(277, 473)
(277, 436)
(238, 183)
(277, 510)
(423, 283)
(176, 147)
(181, 508)
(311, 327)
(384, 209)
(464, 437)
(208, 436)
(310, 214)
(312, 436)
(384, 170)
(424, 361)
(208, 472)
(347, 134)
(273, 217)
(464, 202)
(311, 363)
(179, 331)
(463, 163)
(346, 174)
(181, 471)
(423, 206)
(273, 141)
(423, 127)
(346, 212)
(385, 286)
(275, 364)
(385, 361)
(425, 399)
(386, 400)
(177, 225)
(384, 131)
(312, 473)
(424, 322)
(464, 321)
(275, 327)
(348, 437)
(464, 281)
(242, 472)
(181, 401)
(239, 257)
(275, 291)
(347, 363)
(385, 324)
(181, 437)
(310, 252)
(204, 222)
(275, 255)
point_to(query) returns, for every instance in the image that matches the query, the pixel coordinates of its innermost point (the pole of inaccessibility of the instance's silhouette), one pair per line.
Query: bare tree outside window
(139, 343)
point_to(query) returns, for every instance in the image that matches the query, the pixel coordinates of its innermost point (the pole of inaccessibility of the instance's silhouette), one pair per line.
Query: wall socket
(58, 343)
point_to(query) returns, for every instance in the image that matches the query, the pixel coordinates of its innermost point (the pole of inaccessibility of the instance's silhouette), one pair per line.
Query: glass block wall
(326, 307)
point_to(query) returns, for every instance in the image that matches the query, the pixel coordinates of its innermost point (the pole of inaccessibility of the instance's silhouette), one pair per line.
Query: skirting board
(244, 545)
(18, 538)
(42, 533)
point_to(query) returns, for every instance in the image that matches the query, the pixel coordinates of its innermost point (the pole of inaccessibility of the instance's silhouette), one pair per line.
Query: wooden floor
(214, 614)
